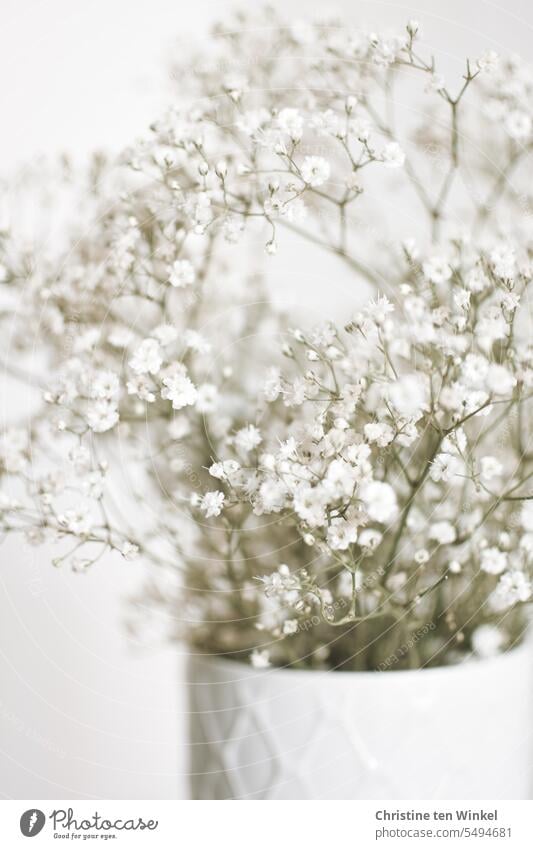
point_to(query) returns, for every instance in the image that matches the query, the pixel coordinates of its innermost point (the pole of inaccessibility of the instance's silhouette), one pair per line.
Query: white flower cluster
(396, 458)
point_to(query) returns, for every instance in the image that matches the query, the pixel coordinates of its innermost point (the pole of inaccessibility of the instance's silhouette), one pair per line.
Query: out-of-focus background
(84, 711)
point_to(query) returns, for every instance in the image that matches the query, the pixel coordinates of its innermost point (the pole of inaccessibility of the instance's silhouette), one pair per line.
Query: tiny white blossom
(526, 516)
(437, 82)
(310, 505)
(77, 520)
(104, 384)
(490, 468)
(488, 62)
(421, 556)
(476, 280)
(513, 587)
(409, 395)
(260, 659)
(207, 398)
(212, 503)
(437, 269)
(120, 337)
(378, 309)
(462, 298)
(379, 500)
(102, 415)
(518, 125)
(13, 447)
(341, 534)
(147, 358)
(370, 538)
(315, 170)
(165, 334)
(474, 371)
(404, 408)
(272, 385)
(80, 457)
(526, 545)
(291, 122)
(141, 386)
(182, 274)
(271, 497)
(248, 438)
(194, 341)
(500, 381)
(129, 550)
(444, 467)
(443, 533)
(503, 260)
(179, 427)
(392, 156)
(493, 561)
(491, 327)
(224, 470)
(179, 388)
(380, 433)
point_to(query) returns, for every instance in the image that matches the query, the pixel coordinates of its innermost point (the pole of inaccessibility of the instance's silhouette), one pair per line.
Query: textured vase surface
(459, 732)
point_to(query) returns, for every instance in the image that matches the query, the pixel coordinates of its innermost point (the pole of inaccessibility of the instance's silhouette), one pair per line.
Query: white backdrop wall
(84, 712)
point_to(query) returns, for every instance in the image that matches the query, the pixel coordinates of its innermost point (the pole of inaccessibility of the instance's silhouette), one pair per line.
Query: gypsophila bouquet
(352, 497)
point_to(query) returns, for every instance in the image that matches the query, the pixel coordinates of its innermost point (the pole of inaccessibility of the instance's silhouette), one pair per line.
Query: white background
(83, 711)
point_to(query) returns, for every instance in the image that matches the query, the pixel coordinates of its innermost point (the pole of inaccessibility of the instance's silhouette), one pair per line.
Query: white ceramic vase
(458, 732)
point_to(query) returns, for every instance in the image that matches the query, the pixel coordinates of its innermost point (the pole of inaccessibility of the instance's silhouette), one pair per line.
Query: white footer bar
(266, 825)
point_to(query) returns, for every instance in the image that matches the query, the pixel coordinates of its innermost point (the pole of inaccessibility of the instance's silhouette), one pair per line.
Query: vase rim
(464, 667)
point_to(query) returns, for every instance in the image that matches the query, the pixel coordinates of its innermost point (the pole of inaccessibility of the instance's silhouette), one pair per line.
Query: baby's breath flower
(315, 170)
(129, 550)
(514, 586)
(380, 433)
(207, 398)
(248, 438)
(182, 274)
(211, 503)
(13, 450)
(444, 467)
(260, 659)
(518, 125)
(488, 62)
(102, 415)
(437, 270)
(377, 310)
(442, 532)
(147, 358)
(490, 468)
(179, 388)
(77, 520)
(341, 534)
(421, 556)
(166, 334)
(291, 122)
(379, 500)
(392, 156)
(493, 561)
